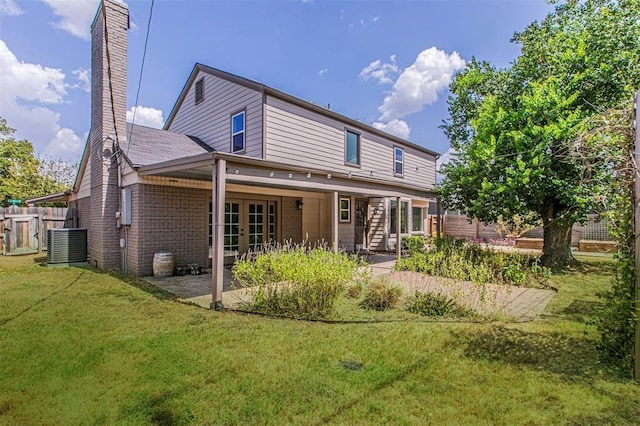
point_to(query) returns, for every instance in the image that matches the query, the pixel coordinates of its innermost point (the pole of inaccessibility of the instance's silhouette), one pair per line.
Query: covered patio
(237, 180)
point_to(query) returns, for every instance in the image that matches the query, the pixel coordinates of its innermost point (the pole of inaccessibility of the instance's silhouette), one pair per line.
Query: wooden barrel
(163, 264)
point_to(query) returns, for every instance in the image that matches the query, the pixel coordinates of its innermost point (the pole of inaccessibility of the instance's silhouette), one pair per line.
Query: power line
(144, 55)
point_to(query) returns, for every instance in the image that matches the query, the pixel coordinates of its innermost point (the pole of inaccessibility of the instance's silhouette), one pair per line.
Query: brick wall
(167, 219)
(291, 220)
(104, 236)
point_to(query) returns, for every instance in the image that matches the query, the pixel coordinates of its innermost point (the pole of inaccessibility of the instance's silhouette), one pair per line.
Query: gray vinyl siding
(346, 230)
(210, 120)
(377, 235)
(304, 138)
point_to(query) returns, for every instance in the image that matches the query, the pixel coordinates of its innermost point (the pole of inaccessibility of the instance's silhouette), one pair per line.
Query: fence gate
(21, 234)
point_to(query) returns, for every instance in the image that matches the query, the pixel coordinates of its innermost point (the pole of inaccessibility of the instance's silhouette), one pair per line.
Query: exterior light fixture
(308, 175)
(349, 175)
(371, 173)
(237, 171)
(328, 175)
(299, 204)
(290, 175)
(271, 174)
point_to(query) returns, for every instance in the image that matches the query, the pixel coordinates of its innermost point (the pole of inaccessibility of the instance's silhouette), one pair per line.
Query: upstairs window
(199, 90)
(352, 148)
(237, 132)
(398, 161)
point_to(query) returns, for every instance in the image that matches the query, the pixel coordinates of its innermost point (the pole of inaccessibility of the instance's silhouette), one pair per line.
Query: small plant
(354, 291)
(435, 305)
(381, 295)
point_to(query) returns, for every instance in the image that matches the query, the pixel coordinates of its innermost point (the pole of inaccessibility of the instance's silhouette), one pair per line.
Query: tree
(513, 129)
(23, 175)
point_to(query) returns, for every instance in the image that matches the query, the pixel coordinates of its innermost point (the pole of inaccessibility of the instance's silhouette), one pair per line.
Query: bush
(435, 305)
(414, 244)
(294, 281)
(354, 290)
(381, 295)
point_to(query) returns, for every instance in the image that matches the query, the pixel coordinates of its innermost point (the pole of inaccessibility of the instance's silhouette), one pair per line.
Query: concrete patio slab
(523, 304)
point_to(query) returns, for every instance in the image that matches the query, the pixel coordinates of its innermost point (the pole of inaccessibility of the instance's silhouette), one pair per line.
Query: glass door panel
(255, 225)
(232, 229)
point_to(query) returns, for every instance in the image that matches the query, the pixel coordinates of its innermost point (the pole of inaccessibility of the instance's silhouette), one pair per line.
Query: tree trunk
(556, 251)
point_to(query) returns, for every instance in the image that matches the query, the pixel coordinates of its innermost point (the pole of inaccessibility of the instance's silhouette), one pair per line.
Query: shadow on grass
(141, 284)
(583, 311)
(158, 410)
(4, 321)
(571, 357)
(343, 408)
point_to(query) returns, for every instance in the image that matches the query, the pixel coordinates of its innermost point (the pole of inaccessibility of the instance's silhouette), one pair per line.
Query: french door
(245, 227)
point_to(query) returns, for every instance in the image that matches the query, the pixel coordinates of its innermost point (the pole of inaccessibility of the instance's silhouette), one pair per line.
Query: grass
(83, 347)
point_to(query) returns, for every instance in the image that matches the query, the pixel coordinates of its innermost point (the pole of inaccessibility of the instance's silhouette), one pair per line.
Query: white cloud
(146, 116)
(66, 144)
(307, 1)
(420, 84)
(380, 71)
(10, 8)
(83, 79)
(341, 13)
(75, 16)
(395, 127)
(323, 72)
(29, 82)
(26, 90)
(376, 18)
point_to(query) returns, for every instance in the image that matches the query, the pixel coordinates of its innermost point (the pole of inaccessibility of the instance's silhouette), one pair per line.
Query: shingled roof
(148, 146)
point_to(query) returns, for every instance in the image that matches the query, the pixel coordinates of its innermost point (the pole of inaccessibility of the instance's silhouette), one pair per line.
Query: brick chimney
(108, 83)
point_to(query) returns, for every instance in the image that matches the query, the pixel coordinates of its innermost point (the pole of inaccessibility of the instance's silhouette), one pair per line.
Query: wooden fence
(24, 229)
(459, 226)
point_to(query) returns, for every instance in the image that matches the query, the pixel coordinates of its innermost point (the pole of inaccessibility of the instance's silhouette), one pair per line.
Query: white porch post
(398, 229)
(335, 218)
(218, 177)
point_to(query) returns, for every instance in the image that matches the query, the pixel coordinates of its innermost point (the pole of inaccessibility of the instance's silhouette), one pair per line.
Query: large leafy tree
(23, 175)
(514, 129)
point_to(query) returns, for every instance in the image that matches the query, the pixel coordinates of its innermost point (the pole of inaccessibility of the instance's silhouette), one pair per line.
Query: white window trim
(346, 141)
(348, 209)
(392, 232)
(244, 131)
(395, 161)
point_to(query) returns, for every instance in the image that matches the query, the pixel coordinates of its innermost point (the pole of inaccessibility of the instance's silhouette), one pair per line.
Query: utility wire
(106, 41)
(144, 55)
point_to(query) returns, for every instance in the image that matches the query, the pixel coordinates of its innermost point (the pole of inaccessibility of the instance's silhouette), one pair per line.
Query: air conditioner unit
(66, 246)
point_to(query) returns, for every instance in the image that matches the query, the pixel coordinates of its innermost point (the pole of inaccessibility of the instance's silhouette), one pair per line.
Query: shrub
(435, 305)
(414, 244)
(381, 295)
(451, 258)
(295, 281)
(354, 290)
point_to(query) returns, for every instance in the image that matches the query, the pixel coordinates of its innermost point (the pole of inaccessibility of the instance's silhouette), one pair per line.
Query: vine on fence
(605, 150)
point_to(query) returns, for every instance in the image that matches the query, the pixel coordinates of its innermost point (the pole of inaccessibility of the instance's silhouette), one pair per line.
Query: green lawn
(83, 347)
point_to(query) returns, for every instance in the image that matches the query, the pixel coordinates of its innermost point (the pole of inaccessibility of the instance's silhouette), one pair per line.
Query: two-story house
(238, 164)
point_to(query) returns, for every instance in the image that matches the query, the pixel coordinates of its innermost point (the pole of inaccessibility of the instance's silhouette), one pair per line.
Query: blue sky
(384, 63)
